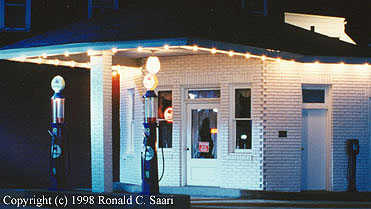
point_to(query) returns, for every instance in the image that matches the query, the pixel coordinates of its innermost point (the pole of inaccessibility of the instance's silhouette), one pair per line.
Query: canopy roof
(154, 26)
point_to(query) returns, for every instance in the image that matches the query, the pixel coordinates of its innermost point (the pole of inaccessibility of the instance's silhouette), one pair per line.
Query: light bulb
(153, 64)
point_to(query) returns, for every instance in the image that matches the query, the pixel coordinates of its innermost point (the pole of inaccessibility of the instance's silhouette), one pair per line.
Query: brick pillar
(101, 121)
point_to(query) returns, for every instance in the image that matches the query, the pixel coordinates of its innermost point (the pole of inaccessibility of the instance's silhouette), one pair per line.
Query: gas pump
(58, 158)
(353, 150)
(149, 153)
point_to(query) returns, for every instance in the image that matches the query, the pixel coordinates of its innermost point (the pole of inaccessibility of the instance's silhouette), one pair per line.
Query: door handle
(187, 148)
(302, 148)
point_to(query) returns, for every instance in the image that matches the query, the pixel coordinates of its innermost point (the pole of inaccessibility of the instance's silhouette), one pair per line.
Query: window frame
(27, 6)
(233, 119)
(186, 99)
(158, 119)
(130, 119)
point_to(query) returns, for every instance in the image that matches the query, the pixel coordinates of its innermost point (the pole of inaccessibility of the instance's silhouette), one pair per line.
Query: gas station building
(230, 114)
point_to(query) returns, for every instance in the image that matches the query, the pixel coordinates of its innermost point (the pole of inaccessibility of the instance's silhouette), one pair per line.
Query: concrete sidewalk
(201, 191)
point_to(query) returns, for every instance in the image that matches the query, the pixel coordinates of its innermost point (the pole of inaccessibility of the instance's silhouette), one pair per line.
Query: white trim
(184, 105)
(232, 119)
(130, 118)
(74, 48)
(183, 139)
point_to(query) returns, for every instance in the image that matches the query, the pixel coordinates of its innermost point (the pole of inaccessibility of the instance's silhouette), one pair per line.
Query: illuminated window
(15, 15)
(165, 119)
(130, 121)
(242, 118)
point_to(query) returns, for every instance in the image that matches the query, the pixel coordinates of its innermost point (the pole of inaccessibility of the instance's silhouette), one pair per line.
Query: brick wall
(238, 170)
(273, 163)
(348, 111)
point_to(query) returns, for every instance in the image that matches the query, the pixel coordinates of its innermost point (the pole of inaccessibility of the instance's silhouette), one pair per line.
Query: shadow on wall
(25, 118)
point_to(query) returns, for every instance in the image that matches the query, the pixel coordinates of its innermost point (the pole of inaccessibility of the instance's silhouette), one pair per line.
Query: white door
(314, 132)
(202, 141)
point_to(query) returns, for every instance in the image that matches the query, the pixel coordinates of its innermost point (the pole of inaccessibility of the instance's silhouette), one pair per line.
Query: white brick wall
(243, 170)
(348, 105)
(101, 122)
(273, 163)
(130, 162)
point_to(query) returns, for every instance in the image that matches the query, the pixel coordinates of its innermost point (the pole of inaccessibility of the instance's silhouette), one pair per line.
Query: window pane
(15, 17)
(243, 103)
(164, 105)
(313, 96)
(243, 134)
(165, 134)
(204, 133)
(165, 116)
(198, 94)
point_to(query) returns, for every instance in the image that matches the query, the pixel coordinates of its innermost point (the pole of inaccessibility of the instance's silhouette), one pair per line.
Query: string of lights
(43, 58)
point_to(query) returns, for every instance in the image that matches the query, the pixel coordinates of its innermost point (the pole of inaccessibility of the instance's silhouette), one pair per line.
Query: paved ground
(224, 203)
(198, 203)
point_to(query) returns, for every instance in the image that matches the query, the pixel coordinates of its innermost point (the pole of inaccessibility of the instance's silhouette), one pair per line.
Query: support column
(101, 121)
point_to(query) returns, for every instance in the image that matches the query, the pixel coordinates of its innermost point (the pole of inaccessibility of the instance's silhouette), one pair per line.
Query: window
(313, 95)
(203, 94)
(165, 119)
(15, 15)
(257, 7)
(242, 118)
(130, 121)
